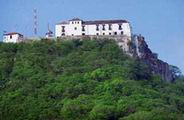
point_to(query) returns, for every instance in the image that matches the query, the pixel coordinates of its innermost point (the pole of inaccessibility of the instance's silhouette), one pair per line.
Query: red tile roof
(75, 19)
(64, 22)
(12, 33)
(96, 21)
(104, 22)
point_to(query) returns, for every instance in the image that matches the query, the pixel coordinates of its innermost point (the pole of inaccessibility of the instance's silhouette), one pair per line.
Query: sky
(161, 22)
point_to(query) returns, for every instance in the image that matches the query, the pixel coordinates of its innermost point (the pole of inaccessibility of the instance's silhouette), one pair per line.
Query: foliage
(82, 80)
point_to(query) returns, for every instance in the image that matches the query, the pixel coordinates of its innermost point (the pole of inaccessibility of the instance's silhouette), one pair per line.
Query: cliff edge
(138, 48)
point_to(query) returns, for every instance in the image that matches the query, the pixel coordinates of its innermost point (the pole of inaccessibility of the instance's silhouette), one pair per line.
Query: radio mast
(35, 22)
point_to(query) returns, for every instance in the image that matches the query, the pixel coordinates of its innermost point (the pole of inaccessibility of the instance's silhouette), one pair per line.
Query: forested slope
(82, 80)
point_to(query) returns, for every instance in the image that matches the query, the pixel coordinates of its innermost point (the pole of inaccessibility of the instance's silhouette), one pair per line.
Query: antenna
(48, 27)
(35, 22)
(49, 32)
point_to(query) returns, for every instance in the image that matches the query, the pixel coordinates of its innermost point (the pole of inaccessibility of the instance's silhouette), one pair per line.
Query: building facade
(12, 37)
(78, 27)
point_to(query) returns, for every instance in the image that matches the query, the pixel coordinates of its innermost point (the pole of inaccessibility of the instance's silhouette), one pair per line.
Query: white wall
(127, 29)
(15, 38)
(91, 29)
(58, 31)
(71, 28)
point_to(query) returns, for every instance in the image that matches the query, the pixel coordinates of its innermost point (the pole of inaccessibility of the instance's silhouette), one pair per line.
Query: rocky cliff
(138, 48)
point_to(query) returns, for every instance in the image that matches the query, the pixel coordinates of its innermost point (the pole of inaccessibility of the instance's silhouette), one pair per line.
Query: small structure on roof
(49, 33)
(12, 37)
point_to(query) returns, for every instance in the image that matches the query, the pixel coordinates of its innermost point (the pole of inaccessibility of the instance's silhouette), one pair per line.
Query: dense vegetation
(82, 80)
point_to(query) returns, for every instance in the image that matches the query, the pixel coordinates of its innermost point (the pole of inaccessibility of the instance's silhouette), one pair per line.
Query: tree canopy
(82, 80)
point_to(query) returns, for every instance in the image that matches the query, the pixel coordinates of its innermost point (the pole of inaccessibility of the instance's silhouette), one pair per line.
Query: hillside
(82, 80)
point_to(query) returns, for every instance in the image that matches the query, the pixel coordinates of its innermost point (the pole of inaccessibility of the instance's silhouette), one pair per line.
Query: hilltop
(82, 80)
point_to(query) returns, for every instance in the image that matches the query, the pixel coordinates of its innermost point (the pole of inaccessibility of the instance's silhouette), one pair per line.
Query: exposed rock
(139, 49)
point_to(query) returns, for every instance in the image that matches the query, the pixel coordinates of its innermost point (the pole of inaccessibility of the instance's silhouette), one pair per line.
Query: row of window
(115, 33)
(97, 27)
(6, 37)
(103, 27)
(75, 22)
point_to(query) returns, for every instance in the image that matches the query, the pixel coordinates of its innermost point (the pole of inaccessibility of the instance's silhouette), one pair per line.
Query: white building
(78, 27)
(49, 34)
(12, 37)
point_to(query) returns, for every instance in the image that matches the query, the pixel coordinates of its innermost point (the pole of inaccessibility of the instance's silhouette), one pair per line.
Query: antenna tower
(35, 22)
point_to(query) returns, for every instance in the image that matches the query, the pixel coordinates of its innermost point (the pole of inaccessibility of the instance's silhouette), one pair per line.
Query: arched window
(63, 28)
(83, 28)
(103, 27)
(110, 27)
(120, 26)
(97, 27)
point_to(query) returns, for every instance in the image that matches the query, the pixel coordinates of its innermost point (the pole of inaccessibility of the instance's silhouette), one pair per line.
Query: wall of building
(91, 29)
(11, 38)
(74, 28)
(58, 30)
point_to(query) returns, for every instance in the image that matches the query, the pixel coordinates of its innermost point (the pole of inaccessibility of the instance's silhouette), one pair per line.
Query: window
(103, 27)
(120, 27)
(63, 34)
(72, 34)
(103, 33)
(97, 33)
(97, 27)
(83, 28)
(110, 27)
(63, 28)
(121, 32)
(10, 36)
(115, 33)
(72, 22)
(75, 28)
(78, 22)
(83, 34)
(109, 33)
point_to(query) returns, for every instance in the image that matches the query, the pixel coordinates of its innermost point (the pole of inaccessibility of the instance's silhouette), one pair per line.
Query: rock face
(138, 48)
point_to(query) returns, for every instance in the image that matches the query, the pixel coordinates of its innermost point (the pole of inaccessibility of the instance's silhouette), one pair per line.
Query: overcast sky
(161, 22)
